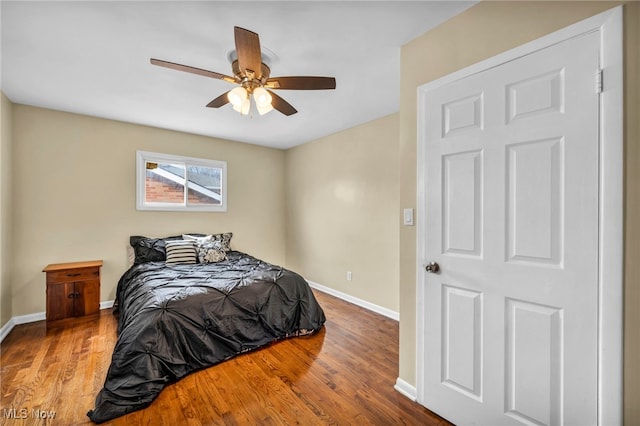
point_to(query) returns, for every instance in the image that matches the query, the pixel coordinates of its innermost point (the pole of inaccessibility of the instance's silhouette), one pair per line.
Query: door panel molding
(610, 246)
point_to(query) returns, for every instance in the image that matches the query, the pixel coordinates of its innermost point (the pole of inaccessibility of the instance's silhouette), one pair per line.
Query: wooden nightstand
(73, 289)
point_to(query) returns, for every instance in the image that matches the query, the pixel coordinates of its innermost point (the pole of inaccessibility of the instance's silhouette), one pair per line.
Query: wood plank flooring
(343, 375)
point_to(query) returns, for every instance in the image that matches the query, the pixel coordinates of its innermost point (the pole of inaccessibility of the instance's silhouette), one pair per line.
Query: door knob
(432, 267)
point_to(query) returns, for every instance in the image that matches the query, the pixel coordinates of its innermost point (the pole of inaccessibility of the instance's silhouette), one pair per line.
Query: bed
(177, 316)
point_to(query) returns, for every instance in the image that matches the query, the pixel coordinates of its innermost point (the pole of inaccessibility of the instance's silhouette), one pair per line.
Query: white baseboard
(106, 305)
(406, 389)
(38, 316)
(6, 329)
(20, 319)
(24, 319)
(351, 299)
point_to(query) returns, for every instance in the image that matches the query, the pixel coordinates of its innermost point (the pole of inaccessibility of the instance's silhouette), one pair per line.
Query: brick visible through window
(164, 183)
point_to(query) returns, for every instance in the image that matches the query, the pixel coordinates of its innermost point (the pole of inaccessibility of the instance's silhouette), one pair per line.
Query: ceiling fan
(251, 75)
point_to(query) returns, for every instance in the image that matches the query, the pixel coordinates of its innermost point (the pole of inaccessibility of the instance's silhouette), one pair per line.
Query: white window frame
(142, 157)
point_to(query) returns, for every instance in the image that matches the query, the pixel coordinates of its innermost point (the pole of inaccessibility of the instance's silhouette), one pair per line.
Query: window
(174, 183)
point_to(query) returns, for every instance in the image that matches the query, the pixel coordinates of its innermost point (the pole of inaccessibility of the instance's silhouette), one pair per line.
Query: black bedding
(176, 319)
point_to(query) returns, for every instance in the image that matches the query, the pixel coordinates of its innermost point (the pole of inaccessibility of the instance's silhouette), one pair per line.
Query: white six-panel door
(512, 175)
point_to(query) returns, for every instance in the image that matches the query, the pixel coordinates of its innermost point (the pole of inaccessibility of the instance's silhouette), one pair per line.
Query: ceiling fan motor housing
(250, 81)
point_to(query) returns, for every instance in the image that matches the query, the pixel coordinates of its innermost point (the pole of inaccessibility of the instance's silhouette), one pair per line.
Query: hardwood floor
(340, 376)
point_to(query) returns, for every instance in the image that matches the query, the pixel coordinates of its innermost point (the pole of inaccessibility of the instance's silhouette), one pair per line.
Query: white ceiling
(92, 58)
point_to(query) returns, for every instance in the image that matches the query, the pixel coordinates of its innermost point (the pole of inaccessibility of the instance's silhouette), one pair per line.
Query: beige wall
(6, 109)
(480, 32)
(74, 196)
(74, 199)
(342, 211)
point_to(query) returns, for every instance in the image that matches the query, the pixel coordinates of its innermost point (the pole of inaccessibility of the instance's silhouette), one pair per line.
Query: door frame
(611, 195)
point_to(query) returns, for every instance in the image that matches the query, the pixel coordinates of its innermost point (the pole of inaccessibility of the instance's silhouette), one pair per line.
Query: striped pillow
(180, 251)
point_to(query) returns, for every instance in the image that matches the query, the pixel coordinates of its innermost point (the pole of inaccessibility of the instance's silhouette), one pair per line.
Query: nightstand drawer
(70, 275)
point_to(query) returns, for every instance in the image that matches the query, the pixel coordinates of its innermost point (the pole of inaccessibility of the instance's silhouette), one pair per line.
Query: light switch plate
(408, 217)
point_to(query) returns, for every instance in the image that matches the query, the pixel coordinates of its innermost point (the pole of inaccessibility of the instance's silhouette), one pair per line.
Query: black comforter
(176, 319)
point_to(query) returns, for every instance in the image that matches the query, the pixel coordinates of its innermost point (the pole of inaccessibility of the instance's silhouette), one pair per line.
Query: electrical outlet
(349, 276)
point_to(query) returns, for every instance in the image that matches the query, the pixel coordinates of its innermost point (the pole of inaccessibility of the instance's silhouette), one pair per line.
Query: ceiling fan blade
(248, 51)
(301, 83)
(192, 70)
(219, 101)
(281, 105)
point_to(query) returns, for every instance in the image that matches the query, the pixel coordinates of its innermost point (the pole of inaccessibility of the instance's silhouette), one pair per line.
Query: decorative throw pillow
(149, 249)
(224, 239)
(211, 252)
(180, 251)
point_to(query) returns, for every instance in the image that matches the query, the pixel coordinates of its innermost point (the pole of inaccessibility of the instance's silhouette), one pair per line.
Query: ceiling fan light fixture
(244, 108)
(262, 96)
(263, 109)
(237, 97)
